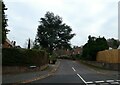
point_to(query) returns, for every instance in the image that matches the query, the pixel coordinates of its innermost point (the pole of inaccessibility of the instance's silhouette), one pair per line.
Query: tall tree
(29, 43)
(4, 23)
(52, 33)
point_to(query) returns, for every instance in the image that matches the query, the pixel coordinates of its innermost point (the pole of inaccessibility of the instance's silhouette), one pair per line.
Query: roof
(8, 41)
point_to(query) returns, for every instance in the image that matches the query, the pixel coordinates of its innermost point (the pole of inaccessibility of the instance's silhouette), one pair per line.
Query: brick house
(77, 50)
(74, 51)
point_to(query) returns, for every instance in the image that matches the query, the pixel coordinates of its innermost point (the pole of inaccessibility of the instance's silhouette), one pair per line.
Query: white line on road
(82, 79)
(89, 82)
(109, 80)
(117, 80)
(73, 69)
(99, 81)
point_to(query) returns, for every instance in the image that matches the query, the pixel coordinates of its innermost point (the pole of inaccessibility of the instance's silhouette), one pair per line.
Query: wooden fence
(109, 56)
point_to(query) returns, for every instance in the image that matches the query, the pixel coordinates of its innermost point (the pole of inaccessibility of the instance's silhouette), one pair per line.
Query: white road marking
(109, 80)
(99, 81)
(114, 83)
(89, 82)
(117, 80)
(73, 69)
(82, 79)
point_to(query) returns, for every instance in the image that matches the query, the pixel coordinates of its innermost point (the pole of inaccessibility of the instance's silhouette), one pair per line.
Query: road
(74, 72)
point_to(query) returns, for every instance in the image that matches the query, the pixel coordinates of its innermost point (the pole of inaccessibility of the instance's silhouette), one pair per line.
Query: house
(8, 44)
(77, 50)
(74, 51)
(68, 52)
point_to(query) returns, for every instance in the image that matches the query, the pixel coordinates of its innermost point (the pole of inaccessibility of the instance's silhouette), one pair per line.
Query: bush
(23, 57)
(53, 58)
(77, 56)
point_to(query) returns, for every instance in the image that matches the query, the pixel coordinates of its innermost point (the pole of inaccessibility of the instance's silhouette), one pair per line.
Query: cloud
(86, 17)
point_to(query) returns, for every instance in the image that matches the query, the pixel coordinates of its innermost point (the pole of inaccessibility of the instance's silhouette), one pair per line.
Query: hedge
(23, 57)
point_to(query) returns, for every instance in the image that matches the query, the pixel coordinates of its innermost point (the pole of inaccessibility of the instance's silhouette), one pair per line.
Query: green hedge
(23, 57)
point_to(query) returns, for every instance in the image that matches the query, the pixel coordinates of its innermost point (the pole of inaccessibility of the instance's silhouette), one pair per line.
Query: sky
(85, 17)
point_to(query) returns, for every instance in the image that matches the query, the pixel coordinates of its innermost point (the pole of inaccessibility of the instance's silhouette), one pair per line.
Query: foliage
(28, 42)
(36, 45)
(53, 56)
(93, 45)
(113, 43)
(78, 56)
(52, 33)
(4, 23)
(23, 57)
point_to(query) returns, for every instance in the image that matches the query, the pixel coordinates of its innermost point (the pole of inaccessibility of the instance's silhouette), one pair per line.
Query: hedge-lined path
(30, 76)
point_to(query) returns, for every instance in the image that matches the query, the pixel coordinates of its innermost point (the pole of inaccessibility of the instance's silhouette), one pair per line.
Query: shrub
(53, 58)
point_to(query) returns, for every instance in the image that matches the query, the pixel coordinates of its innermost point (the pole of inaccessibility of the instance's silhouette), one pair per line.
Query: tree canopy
(52, 33)
(94, 45)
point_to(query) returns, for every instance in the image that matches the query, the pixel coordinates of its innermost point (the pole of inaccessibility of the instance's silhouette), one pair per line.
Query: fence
(109, 56)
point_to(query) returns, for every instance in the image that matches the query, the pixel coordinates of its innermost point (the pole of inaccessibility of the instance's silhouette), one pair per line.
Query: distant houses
(9, 44)
(69, 52)
(77, 50)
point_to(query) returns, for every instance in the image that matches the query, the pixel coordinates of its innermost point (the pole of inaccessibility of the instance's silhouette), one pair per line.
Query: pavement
(30, 76)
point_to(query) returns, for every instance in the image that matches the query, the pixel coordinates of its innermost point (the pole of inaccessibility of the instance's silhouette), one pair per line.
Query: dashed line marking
(115, 83)
(117, 80)
(99, 81)
(89, 82)
(109, 80)
(73, 69)
(82, 79)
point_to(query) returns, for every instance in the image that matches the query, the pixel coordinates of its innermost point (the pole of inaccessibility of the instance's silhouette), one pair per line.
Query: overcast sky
(86, 17)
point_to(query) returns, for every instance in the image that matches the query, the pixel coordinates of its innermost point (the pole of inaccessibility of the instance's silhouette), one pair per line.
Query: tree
(113, 43)
(94, 45)
(52, 33)
(36, 45)
(4, 23)
(29, 43)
